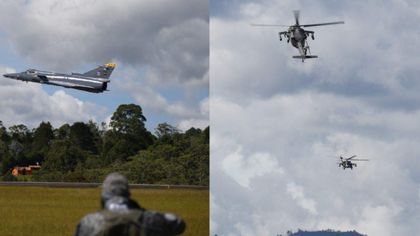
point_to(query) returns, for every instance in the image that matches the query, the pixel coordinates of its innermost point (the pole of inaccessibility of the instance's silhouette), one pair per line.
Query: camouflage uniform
(123, 216)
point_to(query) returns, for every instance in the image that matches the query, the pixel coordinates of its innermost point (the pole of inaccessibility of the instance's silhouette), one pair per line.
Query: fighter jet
(94, 81)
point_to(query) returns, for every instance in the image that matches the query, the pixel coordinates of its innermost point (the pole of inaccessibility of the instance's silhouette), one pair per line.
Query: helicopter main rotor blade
(351, 157)
(270, 25)
(296, 13)
(321, 24)
(360, 160)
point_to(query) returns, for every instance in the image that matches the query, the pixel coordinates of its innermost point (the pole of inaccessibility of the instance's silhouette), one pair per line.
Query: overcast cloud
(161, 48)
(291, 119)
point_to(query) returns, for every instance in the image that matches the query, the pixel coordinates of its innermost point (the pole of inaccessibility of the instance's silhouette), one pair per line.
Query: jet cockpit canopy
(30, 71)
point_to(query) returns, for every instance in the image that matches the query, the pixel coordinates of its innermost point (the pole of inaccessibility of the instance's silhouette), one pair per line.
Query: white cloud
(250, 230)
(244, 169)
(378, 220)
(202, 120)
(360, 97)
(297, 194)
(196, 123)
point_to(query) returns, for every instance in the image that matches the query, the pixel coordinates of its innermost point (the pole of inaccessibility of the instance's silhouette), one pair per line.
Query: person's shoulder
(93, 218)
(90, 224)
(168, 223)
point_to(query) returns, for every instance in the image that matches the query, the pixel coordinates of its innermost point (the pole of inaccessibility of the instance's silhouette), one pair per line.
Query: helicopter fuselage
(347, 164)
(297, 36)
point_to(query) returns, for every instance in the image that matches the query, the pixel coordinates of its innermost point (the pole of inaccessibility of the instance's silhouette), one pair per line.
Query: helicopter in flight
(348, 162)
(298, 36)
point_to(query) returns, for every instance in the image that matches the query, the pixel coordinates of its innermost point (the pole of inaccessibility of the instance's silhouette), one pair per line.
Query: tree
(97, 133)
(63, 156)
(206, 133)
(3, 149)
(9, 177)
(127, 123)
(4, 136)
(82, 136)
(86, 152)
(192, 131)
(42, 136)
(165, 129)
(20, 138)
(128, 119)
(121, 150)
(7, 164)
(19, 132)
(63, 132)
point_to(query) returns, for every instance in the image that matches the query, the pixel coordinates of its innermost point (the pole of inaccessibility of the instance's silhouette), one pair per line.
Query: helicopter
(347, 162)
(298, 36)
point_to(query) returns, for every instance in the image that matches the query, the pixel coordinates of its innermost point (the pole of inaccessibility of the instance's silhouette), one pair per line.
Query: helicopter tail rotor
(296, 13)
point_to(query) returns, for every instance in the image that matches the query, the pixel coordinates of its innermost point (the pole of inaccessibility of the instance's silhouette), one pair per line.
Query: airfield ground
(56, 211)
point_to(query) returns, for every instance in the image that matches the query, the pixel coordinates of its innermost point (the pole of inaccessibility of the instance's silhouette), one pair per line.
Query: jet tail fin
(103, 71)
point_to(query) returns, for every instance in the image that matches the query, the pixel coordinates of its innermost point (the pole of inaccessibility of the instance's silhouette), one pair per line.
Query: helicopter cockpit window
(30, 71)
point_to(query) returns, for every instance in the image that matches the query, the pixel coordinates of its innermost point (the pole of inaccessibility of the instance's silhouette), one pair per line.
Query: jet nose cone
(12, 75)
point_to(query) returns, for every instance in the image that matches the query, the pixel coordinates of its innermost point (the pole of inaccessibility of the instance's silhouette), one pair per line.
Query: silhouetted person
(122, 216)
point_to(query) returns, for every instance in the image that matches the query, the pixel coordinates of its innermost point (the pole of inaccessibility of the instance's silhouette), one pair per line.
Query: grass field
(56, 211)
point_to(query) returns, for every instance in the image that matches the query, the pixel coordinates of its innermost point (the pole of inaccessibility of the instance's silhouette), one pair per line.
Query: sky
(279, 125)
(161, 48)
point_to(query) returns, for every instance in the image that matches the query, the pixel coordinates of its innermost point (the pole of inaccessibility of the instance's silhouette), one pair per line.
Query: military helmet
(114, 185)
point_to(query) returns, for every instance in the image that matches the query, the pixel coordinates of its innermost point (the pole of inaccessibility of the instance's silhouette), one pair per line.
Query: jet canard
(94, 81)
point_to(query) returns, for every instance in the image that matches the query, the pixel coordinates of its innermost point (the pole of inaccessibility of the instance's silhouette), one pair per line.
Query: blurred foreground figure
(121, 216)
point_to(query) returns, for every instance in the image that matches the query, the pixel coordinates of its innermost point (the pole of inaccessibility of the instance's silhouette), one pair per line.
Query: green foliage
(83, 152)
(180, 159)
(9, 177)
(48, 176)
(7, 164)
(4, 136)
(4, 150)
(43, 136)
(63, 156)
(63, 132)
(128, 119)
(19, 132)
(165, 130)
(82, 137)
(127, 123)
(121, 150)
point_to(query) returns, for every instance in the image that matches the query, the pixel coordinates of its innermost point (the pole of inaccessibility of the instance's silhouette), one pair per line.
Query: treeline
(87, 152)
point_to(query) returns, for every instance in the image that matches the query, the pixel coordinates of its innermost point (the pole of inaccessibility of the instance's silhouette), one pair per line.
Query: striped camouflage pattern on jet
(95, 81)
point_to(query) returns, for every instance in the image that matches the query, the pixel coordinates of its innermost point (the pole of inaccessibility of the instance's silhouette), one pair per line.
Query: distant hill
(326, 233)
